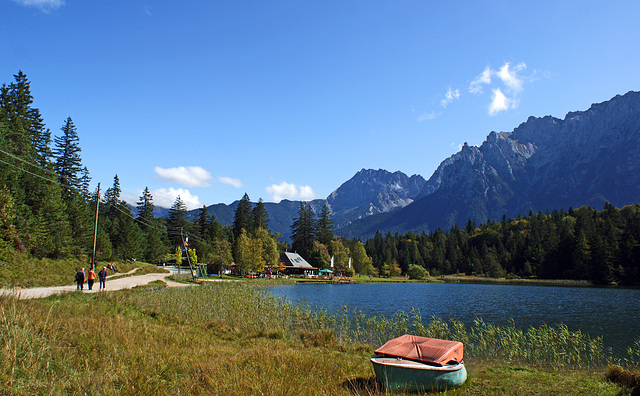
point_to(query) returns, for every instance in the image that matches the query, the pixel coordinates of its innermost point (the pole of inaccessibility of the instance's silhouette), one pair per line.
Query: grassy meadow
(233, 338)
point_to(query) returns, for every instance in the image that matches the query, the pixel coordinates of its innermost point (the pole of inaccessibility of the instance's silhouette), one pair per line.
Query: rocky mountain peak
(377, 190)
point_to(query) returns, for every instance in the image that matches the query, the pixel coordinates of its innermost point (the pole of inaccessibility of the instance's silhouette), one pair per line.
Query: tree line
(582, 244)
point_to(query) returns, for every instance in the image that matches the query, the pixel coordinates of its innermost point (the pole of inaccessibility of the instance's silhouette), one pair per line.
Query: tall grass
(246, 309)
(232, 338)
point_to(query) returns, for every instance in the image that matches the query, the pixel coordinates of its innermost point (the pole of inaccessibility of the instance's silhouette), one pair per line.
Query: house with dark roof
(294, 264)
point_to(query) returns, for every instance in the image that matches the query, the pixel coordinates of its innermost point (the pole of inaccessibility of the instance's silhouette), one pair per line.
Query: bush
(417, 272)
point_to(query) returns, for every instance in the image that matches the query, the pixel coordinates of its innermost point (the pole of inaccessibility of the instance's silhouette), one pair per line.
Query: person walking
(91, 278)
(80, 279)
(102, 277)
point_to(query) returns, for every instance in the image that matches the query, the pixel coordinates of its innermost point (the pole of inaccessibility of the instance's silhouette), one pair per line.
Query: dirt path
(119, 283)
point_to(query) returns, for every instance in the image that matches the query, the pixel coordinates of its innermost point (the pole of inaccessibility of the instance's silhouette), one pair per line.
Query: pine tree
(112, 197)
(242, 219)
(260, 216)
(177, 221)
(303, 230)
(68, 162)
(128, 237)
(325, 226)
(145, 208)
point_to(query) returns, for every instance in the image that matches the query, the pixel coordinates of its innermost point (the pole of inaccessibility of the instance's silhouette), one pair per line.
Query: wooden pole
(186, 250)
(95, 231)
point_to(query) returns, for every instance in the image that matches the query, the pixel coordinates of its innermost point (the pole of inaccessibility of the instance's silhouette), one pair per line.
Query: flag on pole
(349, 262)
(331, 261)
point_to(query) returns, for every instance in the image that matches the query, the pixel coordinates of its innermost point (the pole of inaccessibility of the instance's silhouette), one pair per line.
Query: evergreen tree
(303, 230)
(112, 197)
(177, 221)
(260, 216)
(128, 237)
(68, 162)
(145, 208)
(325, 226)
(242, 219)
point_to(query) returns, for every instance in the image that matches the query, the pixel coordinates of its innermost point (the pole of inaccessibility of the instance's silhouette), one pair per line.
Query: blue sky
(212, 99)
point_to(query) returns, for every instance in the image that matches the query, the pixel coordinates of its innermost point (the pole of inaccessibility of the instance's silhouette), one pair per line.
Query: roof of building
(294, 260)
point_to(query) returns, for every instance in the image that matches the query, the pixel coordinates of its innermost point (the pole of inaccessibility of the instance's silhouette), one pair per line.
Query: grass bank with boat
(233, 338)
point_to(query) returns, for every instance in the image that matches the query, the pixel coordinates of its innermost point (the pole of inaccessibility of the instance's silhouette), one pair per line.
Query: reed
(234, 338)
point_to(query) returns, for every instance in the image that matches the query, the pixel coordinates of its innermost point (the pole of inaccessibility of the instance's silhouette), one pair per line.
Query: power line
(117, 207)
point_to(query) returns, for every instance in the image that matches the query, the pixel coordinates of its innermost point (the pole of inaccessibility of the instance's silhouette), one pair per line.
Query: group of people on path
(91, 277)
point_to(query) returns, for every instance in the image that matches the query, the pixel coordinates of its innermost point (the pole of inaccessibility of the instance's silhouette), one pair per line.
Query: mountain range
(588, 158)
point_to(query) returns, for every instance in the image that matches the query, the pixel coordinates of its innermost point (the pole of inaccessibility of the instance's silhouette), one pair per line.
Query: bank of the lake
(234, 338)
(610, 313)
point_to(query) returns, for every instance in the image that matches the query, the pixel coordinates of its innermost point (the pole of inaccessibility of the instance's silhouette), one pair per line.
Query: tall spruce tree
(325, 226)
(242, 219)
(177, 221)
(145, 208)
(303, 230)
(68, 164)
(260, 216)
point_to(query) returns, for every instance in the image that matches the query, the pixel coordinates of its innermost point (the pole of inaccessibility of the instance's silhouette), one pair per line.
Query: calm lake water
(613, 314)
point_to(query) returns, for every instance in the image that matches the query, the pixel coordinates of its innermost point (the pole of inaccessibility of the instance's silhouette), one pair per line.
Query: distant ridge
(589, 158)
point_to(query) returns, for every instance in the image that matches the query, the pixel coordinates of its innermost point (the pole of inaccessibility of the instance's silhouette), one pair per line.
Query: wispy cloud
(484, 78)
(286, 190)
(45, 6)
(190, 176)
(166, 197)
(450, 96)
(230, 181)
(428, 115)
(506, 87)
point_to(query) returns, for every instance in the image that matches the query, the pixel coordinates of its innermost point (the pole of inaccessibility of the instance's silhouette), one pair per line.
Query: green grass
(234, 338)
(18, 270)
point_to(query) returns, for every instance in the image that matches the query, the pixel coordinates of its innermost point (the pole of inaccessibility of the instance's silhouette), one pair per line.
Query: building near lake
(294, 264)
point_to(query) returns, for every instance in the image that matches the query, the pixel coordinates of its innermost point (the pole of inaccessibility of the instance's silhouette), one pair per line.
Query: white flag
(349, 262)
(331, 261)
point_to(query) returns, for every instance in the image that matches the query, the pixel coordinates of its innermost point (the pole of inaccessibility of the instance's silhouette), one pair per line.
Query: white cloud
(484, 78)
(45, 6)
(428, 116)
(450, 96)
(510, 76)
(166, 197)
(286, 190)
(457, 146)
(191, 176)
(230, 181)
(506, 88)
(499, 102)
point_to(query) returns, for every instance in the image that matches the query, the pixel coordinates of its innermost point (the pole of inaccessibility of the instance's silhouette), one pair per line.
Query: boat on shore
(414, 363)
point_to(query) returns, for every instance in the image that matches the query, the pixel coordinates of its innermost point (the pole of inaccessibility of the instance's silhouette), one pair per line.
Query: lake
(612, 313)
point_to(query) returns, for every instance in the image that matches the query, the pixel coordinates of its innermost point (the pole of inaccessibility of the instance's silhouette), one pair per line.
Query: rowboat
(413, 363)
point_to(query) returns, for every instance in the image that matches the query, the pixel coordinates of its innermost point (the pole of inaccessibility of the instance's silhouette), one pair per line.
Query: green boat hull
(399, 374)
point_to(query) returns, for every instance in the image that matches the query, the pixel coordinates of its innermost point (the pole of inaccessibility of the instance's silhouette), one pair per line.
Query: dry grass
(227, 339)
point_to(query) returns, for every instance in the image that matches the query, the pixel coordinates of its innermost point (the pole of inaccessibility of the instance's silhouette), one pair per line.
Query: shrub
(417, 272)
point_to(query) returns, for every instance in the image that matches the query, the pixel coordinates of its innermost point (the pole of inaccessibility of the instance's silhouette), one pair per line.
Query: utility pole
(95, 231)
(186, 250)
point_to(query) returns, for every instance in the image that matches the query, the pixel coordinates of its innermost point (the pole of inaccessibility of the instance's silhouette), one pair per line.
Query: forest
(47, 210)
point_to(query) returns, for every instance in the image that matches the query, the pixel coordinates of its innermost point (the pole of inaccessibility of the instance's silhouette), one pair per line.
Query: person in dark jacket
(102, 277)
(80, 279)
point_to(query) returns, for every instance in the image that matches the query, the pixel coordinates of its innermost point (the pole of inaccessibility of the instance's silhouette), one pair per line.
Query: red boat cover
(423, 349)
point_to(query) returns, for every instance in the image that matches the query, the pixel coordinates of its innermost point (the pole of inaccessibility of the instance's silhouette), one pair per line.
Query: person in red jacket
(91, 278)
